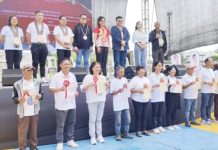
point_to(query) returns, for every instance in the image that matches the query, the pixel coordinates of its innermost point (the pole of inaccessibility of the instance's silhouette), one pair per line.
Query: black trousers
(141, 115)
(172, 104)
(102, 58)
(13, 58)
(157, 110)
(62, 54)
(39, 56)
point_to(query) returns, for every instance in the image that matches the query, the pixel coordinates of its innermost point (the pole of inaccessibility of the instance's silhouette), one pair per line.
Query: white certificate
(164, 84)
(178, 87)
(67, 39)
(198, 83)
(147, 92)
(101, 86)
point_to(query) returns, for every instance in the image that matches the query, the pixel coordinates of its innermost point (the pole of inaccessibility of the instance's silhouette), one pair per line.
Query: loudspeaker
(180, 70)
(80, 73)
(10, 76)
(130, 72)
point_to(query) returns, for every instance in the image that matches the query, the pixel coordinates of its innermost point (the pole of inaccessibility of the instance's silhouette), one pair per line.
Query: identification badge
(16, 41)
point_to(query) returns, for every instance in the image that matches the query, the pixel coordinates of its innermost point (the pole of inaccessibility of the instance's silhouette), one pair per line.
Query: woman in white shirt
(12, 36)
(157, 97)
(140, 39)
(137, 86)
(95, 86)
(172, 98)
(216, 94)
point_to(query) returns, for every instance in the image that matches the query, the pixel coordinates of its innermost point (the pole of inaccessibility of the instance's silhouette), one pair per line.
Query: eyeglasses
(119, 20)
(84, 18)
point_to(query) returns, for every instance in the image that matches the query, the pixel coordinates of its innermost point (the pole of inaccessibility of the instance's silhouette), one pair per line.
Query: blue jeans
(67, 118)
(126, 121)
(119, 59)
(140, 56)
(190, 107)
(85, 54)
(206, 105)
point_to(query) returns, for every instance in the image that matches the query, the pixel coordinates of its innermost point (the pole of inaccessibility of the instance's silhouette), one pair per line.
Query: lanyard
(64, 30)
(14, 31)
(84, 33)
(37, 28)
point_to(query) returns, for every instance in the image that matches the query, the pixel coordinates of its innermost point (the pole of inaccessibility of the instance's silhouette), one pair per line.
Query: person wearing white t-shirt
(157, 97)
(119, 90)
(172, 98)
(95, 86)
(12, 36)
(64, 40)
(140, 39)
(207, 92)
(190, 94)
(37, 35)
(64, 87)
(216, 93)
(140, 103)
(27, 94)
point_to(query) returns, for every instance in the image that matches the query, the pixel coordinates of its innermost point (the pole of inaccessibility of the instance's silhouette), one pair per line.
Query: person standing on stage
(140, 103)
(120, 38)
(120, 92)
(95, 86)
(64, 87)
(190, 95)
(207, 91)
(157, 97)
(102, 43)
(140, 39)
(83, 42)
(64, 39)
(12, 36)
(216, 94)
(37, 35)
(27, 94)
(159, 43)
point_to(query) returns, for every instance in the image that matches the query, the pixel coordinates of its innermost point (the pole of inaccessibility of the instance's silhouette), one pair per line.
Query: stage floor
(202, 137)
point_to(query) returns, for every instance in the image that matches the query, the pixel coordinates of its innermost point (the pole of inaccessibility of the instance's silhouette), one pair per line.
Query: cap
(189, 66)
(27, 67)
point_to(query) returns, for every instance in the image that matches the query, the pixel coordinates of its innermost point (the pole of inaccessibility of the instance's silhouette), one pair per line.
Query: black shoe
(145, 133)
(195, 123)
(118, 138)
(138, 134)
(187, 124)
(127, 136)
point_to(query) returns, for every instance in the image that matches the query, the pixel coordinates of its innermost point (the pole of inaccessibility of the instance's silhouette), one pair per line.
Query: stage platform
(202, 137)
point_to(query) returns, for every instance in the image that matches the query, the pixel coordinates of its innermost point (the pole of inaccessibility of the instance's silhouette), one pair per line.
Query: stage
(47, 124)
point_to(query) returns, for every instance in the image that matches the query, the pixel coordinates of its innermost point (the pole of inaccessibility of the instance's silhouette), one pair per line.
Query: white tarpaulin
(192, 23)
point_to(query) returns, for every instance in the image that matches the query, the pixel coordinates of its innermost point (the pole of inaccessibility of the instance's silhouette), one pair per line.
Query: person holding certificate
(64, 39)
(95, 85)
(64, 87)
(216, 94)
(190, 94)
(138, 85)
(158, 83)
(27, 94)
(207, 91)
(172, 98)
(12, 36)
(120, 91)
(37, 36)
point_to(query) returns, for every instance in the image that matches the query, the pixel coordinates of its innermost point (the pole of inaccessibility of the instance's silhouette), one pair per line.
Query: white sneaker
(44, 80)
(72, 144)
(59, 146)
(176, 127)
(170, 128)
(100, 139)
(156, 131)
(93, 141)
(161, 129)
(205, 122)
